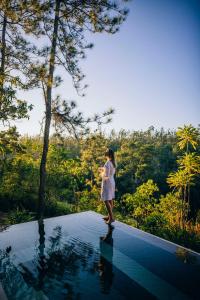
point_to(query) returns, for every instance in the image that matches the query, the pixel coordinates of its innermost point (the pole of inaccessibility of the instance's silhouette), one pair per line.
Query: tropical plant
(188, 167)
(142, 203)
(187, 136)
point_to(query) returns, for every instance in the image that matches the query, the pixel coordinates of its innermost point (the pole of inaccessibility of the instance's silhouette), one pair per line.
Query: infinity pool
(78, 256)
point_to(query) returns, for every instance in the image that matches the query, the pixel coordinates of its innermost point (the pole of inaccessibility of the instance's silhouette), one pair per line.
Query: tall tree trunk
(188, 201)
(3, 53)
(184, 206)
(48, 113)
(181, 211)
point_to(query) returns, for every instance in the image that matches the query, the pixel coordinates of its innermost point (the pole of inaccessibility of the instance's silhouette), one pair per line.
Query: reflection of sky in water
(78, 256)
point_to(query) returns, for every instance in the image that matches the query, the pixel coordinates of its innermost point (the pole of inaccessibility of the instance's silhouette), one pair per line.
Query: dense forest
(157, 179)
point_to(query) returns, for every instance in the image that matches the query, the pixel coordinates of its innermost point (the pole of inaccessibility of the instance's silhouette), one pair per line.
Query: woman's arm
(102, 171)
(105, 171)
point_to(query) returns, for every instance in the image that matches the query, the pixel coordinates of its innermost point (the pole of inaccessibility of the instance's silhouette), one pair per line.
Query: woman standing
(108, 184)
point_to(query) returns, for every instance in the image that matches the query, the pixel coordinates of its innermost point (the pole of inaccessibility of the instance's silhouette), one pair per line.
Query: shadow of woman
(105, 263)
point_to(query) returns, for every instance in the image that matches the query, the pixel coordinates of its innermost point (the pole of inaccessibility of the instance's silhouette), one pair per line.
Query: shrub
(170, 206)
(189, 239)
(89, 200)
(58, 208)
(142, 203)
(19, 216)
(154, 223)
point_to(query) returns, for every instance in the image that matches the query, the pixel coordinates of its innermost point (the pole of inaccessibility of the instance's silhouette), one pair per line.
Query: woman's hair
(110, 153)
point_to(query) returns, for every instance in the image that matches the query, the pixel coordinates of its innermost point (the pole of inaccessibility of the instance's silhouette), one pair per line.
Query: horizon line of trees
(157, 178)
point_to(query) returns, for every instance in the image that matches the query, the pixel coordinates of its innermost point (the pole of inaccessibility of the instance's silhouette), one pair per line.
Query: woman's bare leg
(106, 218)
(112, 205)
(109, 209)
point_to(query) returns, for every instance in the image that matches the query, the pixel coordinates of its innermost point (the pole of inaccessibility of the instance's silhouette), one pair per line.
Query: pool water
(78, 256)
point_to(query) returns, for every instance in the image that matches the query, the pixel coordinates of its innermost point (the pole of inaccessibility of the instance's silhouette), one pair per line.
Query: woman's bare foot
(110, 221)
(106, 218)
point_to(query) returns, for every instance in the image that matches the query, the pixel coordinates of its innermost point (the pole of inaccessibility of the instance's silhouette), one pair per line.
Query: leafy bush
(19, 216)
(64, 208)
(154, 223)
(142, 202)
(88, 200)
(57, 208)
(184, 237)
(170, 206)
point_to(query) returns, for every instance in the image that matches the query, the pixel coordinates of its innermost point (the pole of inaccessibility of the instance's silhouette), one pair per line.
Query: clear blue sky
(149, 72)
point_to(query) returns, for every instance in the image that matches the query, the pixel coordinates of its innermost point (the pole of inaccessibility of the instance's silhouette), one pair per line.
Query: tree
(145, 155)
(188, 166)
(64, 23)
(17, 20)
(9, 146)
(93, 156)
(187, 136)
(179, 181)
(142, 203)
(170, 206)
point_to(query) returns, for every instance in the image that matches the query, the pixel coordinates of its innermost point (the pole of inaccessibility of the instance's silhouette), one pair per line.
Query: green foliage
(16, 19)
(89, 200)
(184, 237)
(92, 156)
(9, 143)
(145, 155)
(170, 207)
(154, 223)
(187, 136)
(70, 40)
(73, 182)
(12, 108)
(19, 216)
(188, 167)
(57, 208)
(142, 202)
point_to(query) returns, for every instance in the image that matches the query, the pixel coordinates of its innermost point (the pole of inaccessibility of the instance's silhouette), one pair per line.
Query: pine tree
(17, 20)
(65, 23)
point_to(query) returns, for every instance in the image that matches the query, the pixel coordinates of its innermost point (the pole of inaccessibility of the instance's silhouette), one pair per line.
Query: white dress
(108, 182)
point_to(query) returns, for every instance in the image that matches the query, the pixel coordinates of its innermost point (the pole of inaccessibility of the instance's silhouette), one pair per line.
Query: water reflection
(3, 227)
(105, 264)
(57, 267)
(58, 264)
(185, 256)
(9, 276)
